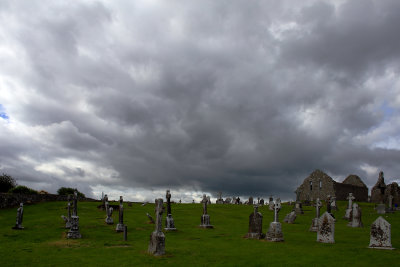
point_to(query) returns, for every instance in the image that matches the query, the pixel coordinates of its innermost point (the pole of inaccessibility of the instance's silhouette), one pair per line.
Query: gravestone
(258, 201)
(104, 200)
(298, 208)
(328, 206)
(205, 218)
(228, 200)
(290, 217)
(333, 204)
(271, 203)
(169, 221)
(274, 233)
(262, 202)
(157, 237)
(237, 201)
(20, 216)
(381, 209)
(150, 218)
(220, 200)
(314, 224)
(67, 220)
(326, 229)
(255, 224)
(208, 200)
(349, 209)
(109, 211)
(251, 202)
(355, 217)
(73, 232)
(120, 225)
(390, 204)
(380, 234)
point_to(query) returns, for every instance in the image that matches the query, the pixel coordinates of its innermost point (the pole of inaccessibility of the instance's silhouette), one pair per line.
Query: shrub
(63, 191)
(22, 189)
(6, 183)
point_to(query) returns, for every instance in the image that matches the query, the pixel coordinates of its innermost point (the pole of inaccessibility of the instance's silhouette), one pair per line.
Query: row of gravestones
(324, 225)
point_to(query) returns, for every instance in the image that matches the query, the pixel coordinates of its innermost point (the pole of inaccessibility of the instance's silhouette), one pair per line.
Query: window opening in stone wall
(320, 184)
(311, 186)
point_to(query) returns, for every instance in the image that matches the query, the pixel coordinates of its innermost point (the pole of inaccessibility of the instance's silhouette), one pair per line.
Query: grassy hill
(44, 243)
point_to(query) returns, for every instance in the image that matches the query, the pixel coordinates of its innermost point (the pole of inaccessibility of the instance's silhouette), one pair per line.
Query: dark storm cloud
(244, 98)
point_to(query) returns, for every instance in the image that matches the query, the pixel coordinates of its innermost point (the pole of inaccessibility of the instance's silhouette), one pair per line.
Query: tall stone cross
(168, 196)
(204, 201)
(121, 210)
(351, 198)
(277, 208)
(75, 211)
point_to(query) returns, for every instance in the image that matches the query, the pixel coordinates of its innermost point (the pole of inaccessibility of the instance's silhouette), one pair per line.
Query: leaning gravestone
(255, 224)
(20, 216)
(274, 233)
(326, 229)
(355, 217)
(157, 238)
(150, 218)
(380, 234)
(109, 211)
(314, 224)
(169, 221)
(290, 217)
(120, 225)
(205, 218)
(349, 209)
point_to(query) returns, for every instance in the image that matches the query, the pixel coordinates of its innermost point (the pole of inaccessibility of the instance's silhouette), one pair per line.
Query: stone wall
(12, 200)
(343, 190)
(317, 185)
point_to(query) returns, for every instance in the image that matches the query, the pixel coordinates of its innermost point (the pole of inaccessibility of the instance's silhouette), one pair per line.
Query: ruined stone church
(319, 185)
(381, 192)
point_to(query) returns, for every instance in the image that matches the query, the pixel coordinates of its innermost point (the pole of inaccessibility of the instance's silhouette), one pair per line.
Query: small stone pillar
(20, 216)
(326, 229)
(157, 237)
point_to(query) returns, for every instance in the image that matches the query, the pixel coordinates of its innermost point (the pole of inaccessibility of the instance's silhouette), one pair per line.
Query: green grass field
(43, 241)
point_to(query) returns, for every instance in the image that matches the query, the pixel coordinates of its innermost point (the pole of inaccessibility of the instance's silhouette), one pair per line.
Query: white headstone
(380, 234)
(326, 229)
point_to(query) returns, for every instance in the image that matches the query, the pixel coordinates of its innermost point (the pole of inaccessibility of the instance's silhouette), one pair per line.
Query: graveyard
(43, 241)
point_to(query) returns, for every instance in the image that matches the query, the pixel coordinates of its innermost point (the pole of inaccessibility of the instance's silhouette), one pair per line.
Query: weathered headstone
(255, 224)
(380, 234)
(349, 209)
(355, 217)
(271, 203)
(157, 237)
(228, 200)
(20, 216)
(205, 218)
(298, 208)
(109, 211)
(169, 221)
(290, 217)
(326, 229)
(390, 204)
(274, 233)
(120, 225)
(74, 230)
(314, 224)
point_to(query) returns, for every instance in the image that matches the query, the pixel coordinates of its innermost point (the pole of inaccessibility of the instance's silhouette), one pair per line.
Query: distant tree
(22, 189)
(68, 191)
(6, 183)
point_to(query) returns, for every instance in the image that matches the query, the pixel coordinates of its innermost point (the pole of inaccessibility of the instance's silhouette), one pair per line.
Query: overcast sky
(244, 97)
